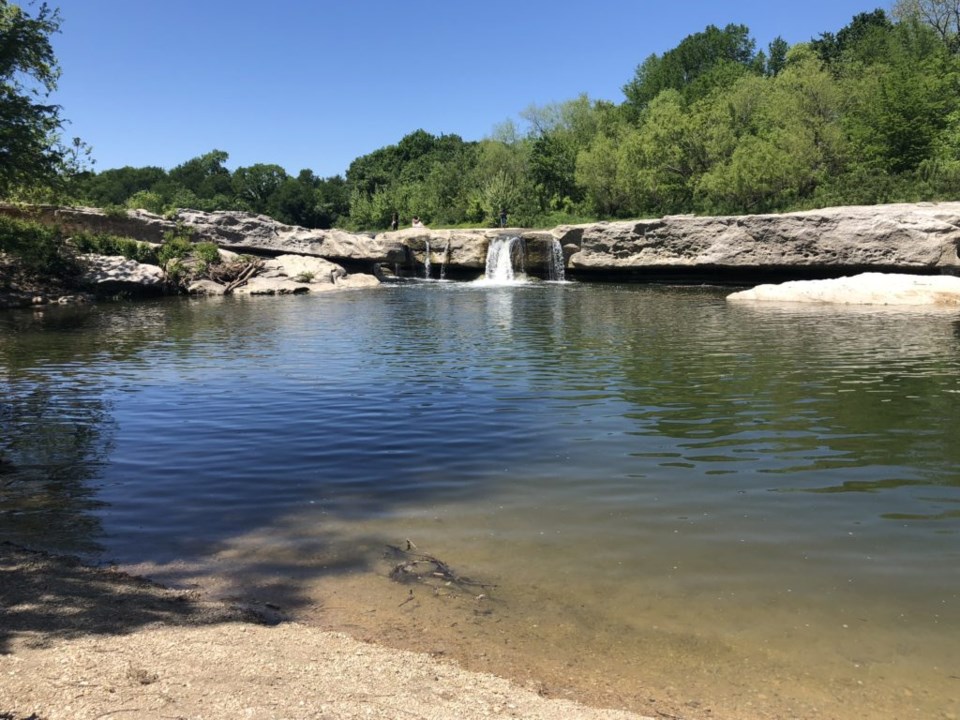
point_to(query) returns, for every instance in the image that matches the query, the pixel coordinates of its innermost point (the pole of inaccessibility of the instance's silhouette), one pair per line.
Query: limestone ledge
(921, 238)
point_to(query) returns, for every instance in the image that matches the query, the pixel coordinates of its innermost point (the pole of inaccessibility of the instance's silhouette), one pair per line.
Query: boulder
(863, 289)
(206, 287)
(356, 281)
(303, 269)
(109, 274)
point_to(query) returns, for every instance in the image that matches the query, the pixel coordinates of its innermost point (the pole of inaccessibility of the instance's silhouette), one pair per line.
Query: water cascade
(444, 260)
(426, 261)
(555, 270)
(505, 258)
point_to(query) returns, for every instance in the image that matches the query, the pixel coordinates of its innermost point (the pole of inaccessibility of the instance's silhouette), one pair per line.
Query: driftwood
(252, 268)
(427, 569)
(235, 274)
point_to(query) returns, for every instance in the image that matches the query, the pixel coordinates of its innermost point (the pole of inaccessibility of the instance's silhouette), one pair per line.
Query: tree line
(868, 114)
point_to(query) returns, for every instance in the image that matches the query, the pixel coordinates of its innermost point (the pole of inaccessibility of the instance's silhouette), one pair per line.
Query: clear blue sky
(316, 83)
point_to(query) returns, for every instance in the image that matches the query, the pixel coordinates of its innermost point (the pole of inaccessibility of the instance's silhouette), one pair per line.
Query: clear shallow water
(751, 510)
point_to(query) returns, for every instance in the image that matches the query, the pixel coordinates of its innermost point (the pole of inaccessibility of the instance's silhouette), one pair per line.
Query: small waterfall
(426, 261)
(505, 260)
(555, 270)
(444, 260)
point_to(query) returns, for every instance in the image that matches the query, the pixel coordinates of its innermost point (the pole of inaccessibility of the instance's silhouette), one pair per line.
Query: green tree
(597, 173)
(256, 184)
(857, 36)
(29, 126)
(658, 164)
(777, 57)
(694, 57)
(205, 176)
(115, 186)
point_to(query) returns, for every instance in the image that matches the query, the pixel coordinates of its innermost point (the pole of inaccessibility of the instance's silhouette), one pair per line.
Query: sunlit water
(713, 510)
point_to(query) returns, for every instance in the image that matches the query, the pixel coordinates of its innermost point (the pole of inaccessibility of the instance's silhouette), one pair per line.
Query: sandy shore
(81, 643)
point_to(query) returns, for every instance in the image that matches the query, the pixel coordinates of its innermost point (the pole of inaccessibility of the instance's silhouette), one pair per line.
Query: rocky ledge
(916, 238)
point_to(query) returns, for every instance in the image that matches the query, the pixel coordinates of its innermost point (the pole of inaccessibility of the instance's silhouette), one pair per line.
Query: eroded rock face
(245, 231)
(863, 289)
(922, 236)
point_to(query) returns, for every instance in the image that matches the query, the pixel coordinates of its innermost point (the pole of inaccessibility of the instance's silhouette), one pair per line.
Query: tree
(205, 175)
(942, 15)
(255, 185)
(694, 57)
(29, 154)
(777, 59)
(117, 185)
(853, 38)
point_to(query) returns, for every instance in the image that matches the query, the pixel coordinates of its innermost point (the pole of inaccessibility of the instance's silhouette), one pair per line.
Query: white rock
(863, 289)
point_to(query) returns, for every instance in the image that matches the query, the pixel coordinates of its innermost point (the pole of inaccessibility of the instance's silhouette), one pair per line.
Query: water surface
(715, 510)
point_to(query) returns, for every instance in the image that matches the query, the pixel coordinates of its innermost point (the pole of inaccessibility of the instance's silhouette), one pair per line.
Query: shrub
(147, 200)
(103, 244)
(174, 247)
(115, 211)
(207, 252)
(38, 249)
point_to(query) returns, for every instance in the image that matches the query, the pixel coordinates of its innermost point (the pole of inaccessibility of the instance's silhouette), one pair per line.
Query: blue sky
(315, 84)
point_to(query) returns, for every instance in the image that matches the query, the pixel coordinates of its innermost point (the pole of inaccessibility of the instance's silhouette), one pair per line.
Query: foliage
(29, 155)
(105, 244)
(943, 16)
(176, 246)
(695, 58)
(36, 248)
(207, 252)
(866, 113)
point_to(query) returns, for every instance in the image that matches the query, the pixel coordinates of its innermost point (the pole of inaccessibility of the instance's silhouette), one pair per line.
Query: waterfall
(505, 258)
(444, 260)
(555, 270)
(426, 261)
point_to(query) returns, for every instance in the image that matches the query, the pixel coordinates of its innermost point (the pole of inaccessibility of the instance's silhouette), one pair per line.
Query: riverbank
(81, 643)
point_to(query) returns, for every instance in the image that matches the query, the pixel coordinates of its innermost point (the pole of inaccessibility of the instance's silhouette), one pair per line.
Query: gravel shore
(82, 643)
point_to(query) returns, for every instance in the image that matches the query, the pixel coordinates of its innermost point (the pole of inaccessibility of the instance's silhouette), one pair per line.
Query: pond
(668, 503)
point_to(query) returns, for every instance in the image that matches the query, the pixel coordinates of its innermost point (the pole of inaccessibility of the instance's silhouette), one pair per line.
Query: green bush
(115, 211)
(149, 201)
(207, 252)
(175, 247)
(103, 244)
(37, 249)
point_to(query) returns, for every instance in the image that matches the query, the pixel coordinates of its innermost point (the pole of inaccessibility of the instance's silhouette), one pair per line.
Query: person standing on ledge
(503, 217)
(394, 221)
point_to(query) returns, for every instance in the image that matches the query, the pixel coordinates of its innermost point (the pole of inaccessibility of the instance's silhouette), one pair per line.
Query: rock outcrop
(864, 289)
(240, 231)
(921, 238)
(917, 238)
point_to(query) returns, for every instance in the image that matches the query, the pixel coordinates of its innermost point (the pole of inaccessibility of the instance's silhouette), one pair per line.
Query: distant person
(416, 222)
(503, 217)
(394, 222)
